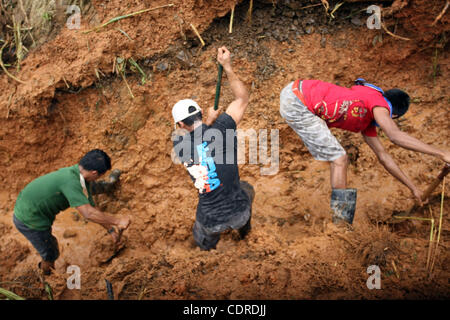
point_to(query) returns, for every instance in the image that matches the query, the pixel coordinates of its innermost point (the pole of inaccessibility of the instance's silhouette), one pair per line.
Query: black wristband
(111, 230)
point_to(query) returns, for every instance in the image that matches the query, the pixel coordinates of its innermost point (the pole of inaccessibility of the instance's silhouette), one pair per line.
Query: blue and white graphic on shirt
(206, 179)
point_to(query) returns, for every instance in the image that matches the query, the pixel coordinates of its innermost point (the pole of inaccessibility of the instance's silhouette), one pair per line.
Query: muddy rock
(184, 59)
(162, 66)
(69, 234)
(357, 21)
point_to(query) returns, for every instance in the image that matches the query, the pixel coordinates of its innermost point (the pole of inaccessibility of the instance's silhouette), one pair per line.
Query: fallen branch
(395, 269)
(231, 20)
(96, 73)
(249, 12)
(126, 16)
(18, 41)
(441, 14)
(312, 5)
(412, 218)
(326, 6)
(4, 68)
(121, 67)
(198, 34)
(126, 83)
(27, 21)
(393, 35)
(65, 81)
(335, 9)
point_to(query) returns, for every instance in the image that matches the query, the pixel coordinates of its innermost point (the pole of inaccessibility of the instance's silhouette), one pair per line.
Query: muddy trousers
(207, 238)
(43, 241)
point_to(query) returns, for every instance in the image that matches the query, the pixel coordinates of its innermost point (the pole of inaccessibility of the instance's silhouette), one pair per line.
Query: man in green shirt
(43, 198)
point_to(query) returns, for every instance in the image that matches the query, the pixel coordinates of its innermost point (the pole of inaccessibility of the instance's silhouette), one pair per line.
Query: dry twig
(198, 34)
(249, 12)
(126, 16)
(440, 227)
(231, 20)
(393, 35)
(4, 68)
(441, 14)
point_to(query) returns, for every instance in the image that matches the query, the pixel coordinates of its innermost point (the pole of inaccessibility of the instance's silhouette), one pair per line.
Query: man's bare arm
(390, 165)
(404, 140)
(236, 108)
(212, 116)
(103, 219)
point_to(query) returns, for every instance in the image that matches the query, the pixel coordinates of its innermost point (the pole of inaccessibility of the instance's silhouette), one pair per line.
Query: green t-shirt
(43, 198)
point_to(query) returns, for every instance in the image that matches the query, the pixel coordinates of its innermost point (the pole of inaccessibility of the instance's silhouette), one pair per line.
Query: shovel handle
(219, 82)
(432, 186)
(436, 181)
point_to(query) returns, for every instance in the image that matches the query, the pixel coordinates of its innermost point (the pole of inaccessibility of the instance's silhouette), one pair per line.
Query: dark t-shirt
(209, 153)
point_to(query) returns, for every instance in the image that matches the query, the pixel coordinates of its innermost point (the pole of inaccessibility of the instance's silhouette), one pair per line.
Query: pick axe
(396, 218)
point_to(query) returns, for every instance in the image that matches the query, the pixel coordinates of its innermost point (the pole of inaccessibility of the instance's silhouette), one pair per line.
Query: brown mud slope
(293, 251)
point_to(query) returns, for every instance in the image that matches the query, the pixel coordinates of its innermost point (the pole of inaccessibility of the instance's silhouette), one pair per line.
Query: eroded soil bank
(293, 251)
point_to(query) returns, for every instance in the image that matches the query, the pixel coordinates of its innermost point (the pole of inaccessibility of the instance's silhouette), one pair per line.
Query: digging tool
(396, 218)
(219, 82)
(109, 290)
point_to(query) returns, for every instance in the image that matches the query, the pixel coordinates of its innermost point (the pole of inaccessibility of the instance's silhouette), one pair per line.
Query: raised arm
(390, 165)
(236, 108)
(404, 140)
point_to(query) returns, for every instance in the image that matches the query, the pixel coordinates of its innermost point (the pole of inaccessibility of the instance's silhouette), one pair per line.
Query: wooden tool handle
(432, 186)
(426, 194)
(436, 181)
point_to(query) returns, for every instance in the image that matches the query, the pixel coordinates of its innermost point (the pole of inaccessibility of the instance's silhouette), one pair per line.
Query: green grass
(47, 16)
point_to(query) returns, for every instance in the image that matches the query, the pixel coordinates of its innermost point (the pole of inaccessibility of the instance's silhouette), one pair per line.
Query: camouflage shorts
(313, 131)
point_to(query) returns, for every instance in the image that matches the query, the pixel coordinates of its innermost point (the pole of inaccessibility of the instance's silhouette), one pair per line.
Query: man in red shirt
(311, 107)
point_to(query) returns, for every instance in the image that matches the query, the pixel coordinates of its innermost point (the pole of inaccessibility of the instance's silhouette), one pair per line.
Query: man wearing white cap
(209, 153)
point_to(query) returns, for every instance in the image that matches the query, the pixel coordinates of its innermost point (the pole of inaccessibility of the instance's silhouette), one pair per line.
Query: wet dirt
(293, 250)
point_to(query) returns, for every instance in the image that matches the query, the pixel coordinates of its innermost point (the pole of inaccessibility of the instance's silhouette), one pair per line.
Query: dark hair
(189, 121)
(399, 100)
(96, 160)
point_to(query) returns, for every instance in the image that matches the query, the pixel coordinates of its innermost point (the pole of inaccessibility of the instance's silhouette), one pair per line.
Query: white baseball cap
(180, 110)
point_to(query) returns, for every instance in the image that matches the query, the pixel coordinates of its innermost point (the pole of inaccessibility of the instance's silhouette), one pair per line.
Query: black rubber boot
(343, 205)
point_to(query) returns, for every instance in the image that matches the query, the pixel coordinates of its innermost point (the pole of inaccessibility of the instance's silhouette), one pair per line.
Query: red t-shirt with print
(345, 108)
